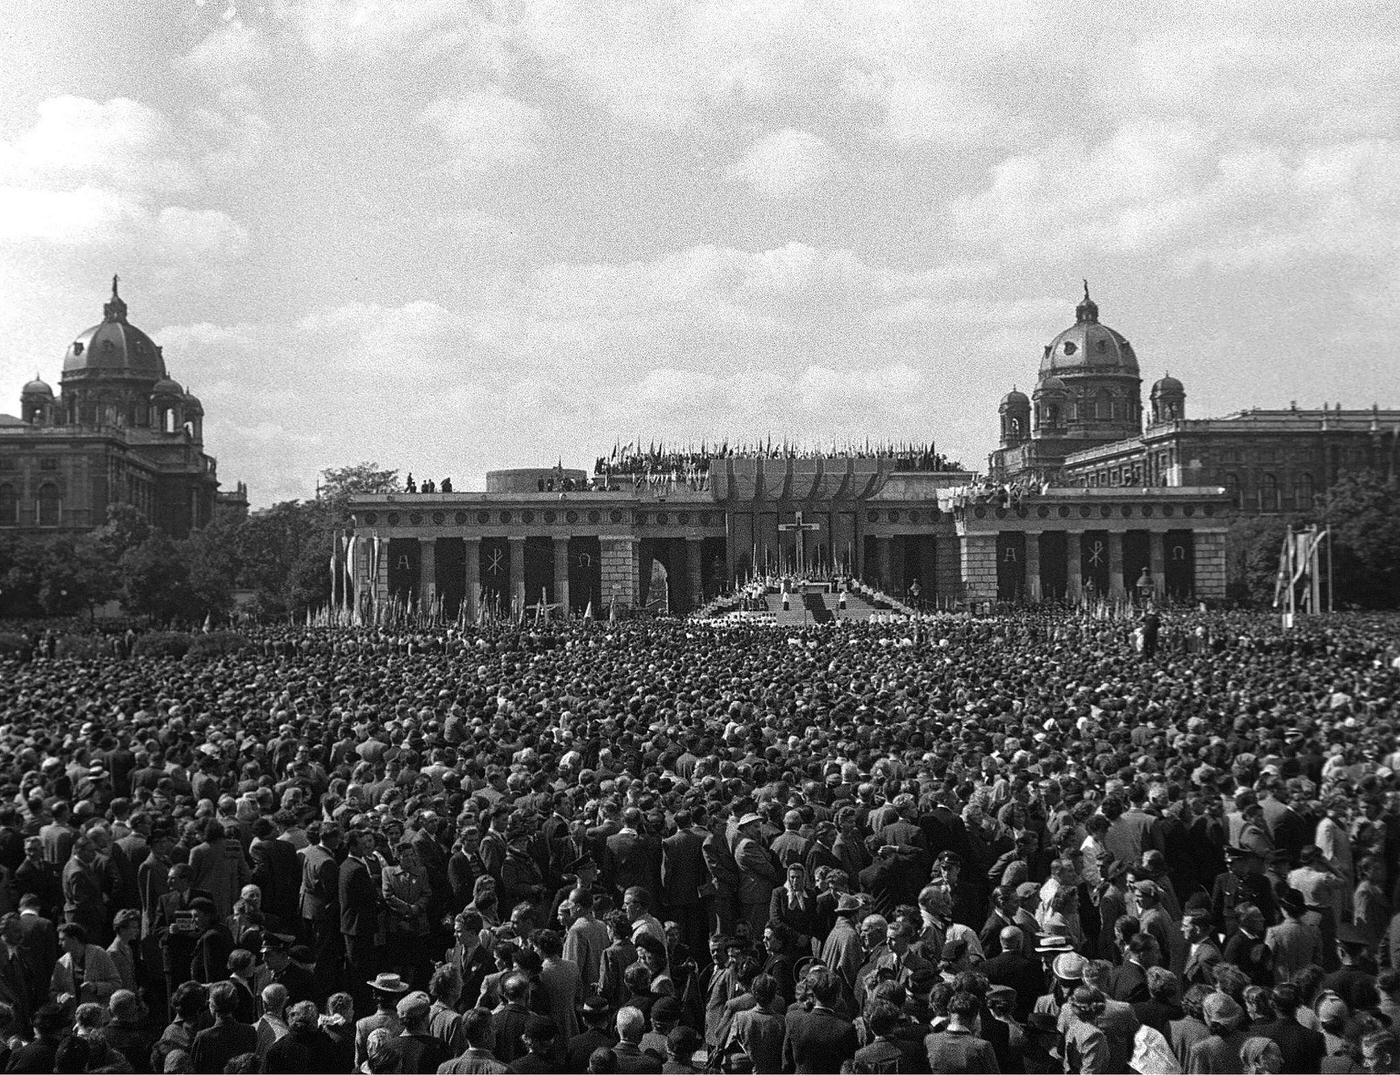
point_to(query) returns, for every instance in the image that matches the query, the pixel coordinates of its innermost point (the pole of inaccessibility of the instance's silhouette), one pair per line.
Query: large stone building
(1084, 426)
(578, 539)
(120, 430)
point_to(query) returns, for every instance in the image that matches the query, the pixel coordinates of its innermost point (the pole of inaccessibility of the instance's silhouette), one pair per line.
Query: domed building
(1088, 392)
(119, 430)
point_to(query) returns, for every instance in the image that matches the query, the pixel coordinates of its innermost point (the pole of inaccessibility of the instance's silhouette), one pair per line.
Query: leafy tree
(267, 544)
(212, 559)
(156, 581)
(125, 528)
(1251, 557)
(340, 483)
(76, 576)
(1363, 512)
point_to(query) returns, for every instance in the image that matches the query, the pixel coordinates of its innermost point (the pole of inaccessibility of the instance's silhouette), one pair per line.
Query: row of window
(49, 505)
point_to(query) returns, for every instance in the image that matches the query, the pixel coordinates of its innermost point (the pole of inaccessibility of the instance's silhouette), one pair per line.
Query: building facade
(1084, 426)
(119, 431)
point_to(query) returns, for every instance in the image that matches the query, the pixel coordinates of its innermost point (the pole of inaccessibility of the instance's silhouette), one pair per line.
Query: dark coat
(359, 900)
(818, 1040)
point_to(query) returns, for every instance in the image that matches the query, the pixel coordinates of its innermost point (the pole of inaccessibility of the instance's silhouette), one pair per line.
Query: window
(1303, 491)
(1268, 493)
(9, 506)
(48, 464)
(49, 504)
(1103, 407)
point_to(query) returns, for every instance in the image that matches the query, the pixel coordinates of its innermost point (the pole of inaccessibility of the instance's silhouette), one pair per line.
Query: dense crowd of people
(1008, 844)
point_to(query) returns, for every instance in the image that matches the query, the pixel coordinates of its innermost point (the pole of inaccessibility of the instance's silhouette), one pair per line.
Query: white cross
(798, 527)
(493, 562)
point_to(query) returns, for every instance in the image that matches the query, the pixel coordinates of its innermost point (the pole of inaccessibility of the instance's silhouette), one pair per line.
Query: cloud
(487, 130)
(121, 143)
(787, 163)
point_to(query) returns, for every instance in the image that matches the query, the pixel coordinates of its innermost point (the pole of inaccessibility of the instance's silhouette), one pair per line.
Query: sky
(452, 236)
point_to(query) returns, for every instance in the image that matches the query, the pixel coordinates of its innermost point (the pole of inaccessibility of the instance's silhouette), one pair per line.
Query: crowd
(1005, 844)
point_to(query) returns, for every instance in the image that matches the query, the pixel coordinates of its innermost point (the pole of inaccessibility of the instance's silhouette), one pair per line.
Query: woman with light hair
(1261, 1056)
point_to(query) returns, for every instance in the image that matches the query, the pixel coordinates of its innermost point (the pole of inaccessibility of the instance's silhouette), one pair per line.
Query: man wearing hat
(758, 875)
(1350, 981)
(1295, 942)
(387, 990)
(1153, 919)
(296, 979)
(1241, 882)
(415, 1047)
(1220, 1049)
(842, 951)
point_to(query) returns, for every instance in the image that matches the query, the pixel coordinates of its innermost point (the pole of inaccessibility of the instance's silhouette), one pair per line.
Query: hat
(1221, 1008)
(1332, 1008)
(1113, 870)
(1291, 900)
(666, 1010)
(848, 904)
(1026, 889)
(1052, 944)
(277, 942)
(205, 904)
(51, 1017)
(1349, 933)
(1147, 888)
(595, 1004)
(749, 819)
(1069, 967)
(954, 950)
(1233, 852)
(388, 983)
(414, 1006)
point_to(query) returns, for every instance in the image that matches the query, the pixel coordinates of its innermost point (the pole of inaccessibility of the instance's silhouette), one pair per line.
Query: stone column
(979, 566)
(858, 541)
(472, 591)
(1033, 566)
(427, 575)
(1074, 579)
(561, 575)
(1157, 561)
(1209, 564)
(882, 562)
(947, 568)
(731, 567)
(517, 574)
(618, 570)
(381, 576)
(1115, 564)
(693, 567)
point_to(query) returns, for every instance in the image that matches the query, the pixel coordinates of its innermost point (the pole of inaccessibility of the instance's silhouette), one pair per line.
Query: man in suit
(819, 1040)
(1204, 953)
(358, 899)
(724, 873)
(83, 900)
(685, 881)
(276, 872)
(1294, 943)
(320, 899)
(758, 876)
(790, 846)
(633, 857)
(1128, 982)
(1013, 967)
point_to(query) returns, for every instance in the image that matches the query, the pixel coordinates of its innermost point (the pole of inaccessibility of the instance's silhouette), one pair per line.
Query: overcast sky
(452, 236)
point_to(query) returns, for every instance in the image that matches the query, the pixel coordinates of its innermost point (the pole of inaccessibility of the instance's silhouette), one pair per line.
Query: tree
(1362, 511)
(267, 544)
(211, 555)
(1251, 557)
(156, 581)
(125, 528)
(339, 484)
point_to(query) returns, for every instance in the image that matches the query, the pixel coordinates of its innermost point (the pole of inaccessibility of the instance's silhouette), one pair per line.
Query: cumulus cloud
(787, 163)
(487, 130)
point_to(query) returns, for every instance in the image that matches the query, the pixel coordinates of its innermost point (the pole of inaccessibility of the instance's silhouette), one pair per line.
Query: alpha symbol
(403, 562)
(1010, 556)
(493, 562)
(1096, 553)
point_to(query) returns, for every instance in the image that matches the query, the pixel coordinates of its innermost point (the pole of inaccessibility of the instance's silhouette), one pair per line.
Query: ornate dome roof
(192, 404)
(168, 387)
(1015, 398)
(37, 387)
(114, 346)
(1168, 386)
(1089, 347)
(1051, 386)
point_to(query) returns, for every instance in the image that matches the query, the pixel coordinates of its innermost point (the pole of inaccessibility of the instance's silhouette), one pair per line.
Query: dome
(1168, 386)
(37, 387)
(192, 404)
(1051, 386)
(167, 387)
(1089, 347)
(1015, 399)
(114, 347)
